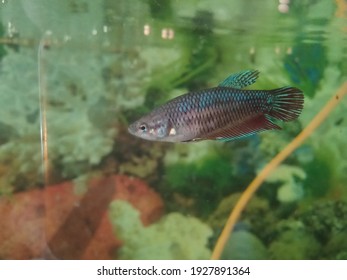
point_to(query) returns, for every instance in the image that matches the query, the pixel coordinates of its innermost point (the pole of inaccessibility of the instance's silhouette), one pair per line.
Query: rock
(243, 245)
(58, 223)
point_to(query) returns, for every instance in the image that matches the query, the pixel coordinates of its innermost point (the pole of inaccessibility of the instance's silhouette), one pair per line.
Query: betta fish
(225, 112)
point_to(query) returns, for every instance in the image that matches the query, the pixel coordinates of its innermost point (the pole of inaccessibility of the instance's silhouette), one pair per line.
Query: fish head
(154, 128)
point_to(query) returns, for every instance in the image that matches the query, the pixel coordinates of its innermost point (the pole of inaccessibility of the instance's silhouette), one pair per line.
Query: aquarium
(75, 184)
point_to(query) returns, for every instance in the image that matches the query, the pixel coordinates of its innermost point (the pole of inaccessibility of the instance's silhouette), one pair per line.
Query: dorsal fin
(240, 79)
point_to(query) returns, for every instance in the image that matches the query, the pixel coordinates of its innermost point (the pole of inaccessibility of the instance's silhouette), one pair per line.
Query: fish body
(225, 112)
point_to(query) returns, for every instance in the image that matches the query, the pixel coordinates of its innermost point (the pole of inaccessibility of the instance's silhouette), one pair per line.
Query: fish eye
(143, 127)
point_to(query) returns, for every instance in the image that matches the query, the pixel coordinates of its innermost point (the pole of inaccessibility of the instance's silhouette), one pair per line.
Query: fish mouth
(131, 129)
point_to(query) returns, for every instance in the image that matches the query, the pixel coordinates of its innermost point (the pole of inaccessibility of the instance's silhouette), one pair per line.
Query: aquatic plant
(200, 40)
(83, 90)
(69, 121)
(320, 173)
(175, 236)
(205, 181)
(307, 74)
(291, 178)
(294, 244)
(256, 217)
(326, 219)
(316, 231)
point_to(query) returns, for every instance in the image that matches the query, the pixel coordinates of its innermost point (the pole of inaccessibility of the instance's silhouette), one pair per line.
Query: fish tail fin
(287, 103)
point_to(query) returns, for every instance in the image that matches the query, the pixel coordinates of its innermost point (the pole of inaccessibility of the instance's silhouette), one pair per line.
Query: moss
(319, 173)
(255, 214)
(174, 237)
(325, 219)
(294, 245)
(336, 247)
(207, 181)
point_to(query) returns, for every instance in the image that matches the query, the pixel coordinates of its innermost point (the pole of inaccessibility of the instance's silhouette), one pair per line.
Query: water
(75, 185)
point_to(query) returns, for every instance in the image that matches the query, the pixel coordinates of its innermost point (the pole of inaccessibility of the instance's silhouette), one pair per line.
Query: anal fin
(243, 129)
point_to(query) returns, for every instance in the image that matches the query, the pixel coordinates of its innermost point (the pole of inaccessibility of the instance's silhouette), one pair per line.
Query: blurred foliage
(155, 96)
(202, 47)
(306, 65)
(207, 182)
(319, 175)
(2, 49)
(160, 9)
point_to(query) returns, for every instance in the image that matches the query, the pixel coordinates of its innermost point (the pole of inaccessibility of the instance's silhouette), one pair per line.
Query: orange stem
(259, 179)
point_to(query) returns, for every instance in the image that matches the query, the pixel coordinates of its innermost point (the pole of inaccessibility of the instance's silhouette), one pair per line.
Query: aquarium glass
(74, 184)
